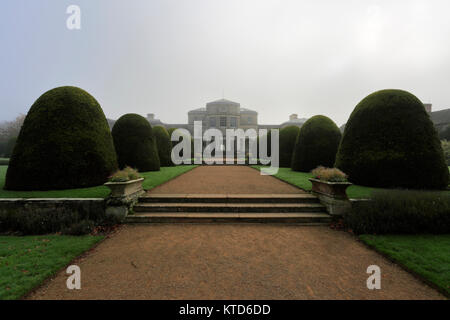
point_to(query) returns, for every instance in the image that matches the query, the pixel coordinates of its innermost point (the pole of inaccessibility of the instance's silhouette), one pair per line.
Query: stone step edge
(303, 219)
(209, 199)
(228, 205)
(232, 215)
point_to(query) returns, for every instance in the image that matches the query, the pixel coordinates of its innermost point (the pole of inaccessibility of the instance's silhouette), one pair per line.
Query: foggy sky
(274, 56)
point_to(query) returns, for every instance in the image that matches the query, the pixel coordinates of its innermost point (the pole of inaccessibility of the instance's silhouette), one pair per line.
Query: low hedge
(401, 212)
(48, 221)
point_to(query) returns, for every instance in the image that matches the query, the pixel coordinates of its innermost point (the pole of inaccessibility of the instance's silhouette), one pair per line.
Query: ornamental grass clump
(125, 175)
(329, 174)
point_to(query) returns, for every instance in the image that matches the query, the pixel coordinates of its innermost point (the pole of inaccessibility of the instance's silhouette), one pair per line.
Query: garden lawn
(426, 255)
(152, 179)
(300, 180)
(25, 262)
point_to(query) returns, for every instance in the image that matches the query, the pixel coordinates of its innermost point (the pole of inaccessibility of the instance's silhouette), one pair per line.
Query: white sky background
(277, 57)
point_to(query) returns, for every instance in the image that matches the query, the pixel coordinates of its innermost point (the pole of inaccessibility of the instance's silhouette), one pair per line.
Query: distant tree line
(9, 131)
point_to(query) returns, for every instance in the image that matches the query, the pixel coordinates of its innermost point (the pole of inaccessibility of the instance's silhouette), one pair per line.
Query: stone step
(304, 218)
(229, 207)
(229, 198)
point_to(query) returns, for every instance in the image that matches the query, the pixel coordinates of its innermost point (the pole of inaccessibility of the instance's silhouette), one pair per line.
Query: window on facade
(223, 121)
(249, 120)
(212, 122)
(233, 122)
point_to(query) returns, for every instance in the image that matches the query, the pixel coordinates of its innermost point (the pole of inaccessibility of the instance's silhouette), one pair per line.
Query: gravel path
(225, 179)
(233, 262)
(226, 261)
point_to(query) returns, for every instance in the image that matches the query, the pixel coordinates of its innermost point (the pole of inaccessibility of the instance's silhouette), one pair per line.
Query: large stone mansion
(225, 114)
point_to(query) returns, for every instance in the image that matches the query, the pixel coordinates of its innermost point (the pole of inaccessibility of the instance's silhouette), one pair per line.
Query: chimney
(150, 116)
(427, 107)
(293, 116)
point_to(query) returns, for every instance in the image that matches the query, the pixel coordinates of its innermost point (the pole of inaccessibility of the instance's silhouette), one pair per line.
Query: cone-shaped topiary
(164, 146)
(390, 141)
(135, 143)
(288, 136)
(65, 142)
(316, 145)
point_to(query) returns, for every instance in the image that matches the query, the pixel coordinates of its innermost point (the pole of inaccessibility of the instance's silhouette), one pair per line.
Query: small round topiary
(135, 143)
(164, 146)
(288, 136)
(390, 141)
(64, 143)
(316, 145)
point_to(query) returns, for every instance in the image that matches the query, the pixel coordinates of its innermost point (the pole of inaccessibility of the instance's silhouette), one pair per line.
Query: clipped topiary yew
(135, 143)
(390, 141)
(316, 145)
(164, 146)
(64, 143)
(170, 131)
(288, 136)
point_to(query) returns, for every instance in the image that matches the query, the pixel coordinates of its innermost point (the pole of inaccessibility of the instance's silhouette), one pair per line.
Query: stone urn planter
(123, 197)
(332, 195)
(125, 189)
(331, 189)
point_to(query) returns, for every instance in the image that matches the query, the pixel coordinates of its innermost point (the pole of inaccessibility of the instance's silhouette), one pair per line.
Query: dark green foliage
(2, 147)
(135, 143)
(446, 147)
(288, 136)
(79, 228)
(170, 131)
(408, 212)
(390, 141)
(10, 146)
(64, 143)
(164, 146)
(445, 134)
(29, 222)
(316, 144)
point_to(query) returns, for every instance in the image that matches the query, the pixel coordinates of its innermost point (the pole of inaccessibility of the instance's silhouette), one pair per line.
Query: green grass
(300, 180)
(426, 255)
(152, 179)
(25, 262)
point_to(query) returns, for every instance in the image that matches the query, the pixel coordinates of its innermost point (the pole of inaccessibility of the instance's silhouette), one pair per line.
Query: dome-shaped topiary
(390, 141)
(135, 143)
(288, 136)
(170, 131)
(65, 142)
(164, 146)
(316, 145)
